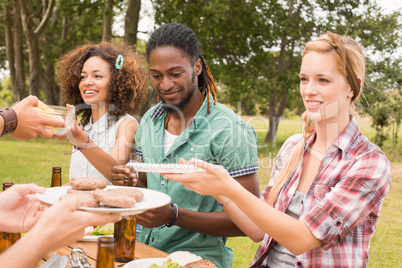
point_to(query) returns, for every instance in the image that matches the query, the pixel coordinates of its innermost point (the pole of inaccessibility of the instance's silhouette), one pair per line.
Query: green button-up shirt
(221, 137)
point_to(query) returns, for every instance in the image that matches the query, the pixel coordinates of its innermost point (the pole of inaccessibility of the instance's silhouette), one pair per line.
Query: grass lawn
(32, 161)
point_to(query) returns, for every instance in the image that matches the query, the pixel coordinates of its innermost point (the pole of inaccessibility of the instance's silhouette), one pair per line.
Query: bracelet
(174, 216)
(82, 148)
(79, 132)
(10, 120)
(224, 204)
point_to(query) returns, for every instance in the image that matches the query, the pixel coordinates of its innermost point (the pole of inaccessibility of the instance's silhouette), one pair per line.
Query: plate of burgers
(97, 197)
(177, 259)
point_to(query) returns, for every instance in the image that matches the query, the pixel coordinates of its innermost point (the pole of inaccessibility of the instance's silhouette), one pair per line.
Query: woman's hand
(216, 180)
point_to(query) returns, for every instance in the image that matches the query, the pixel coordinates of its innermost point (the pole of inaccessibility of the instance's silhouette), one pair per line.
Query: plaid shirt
(343, 204)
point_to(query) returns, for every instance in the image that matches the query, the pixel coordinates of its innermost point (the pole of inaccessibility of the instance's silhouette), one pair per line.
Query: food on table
(89, 230)
(106, 229)
(114, 199)
(84, 183)
(124, 197)
(137, 194)
(168, 263)
(200, 264)
(183, 257)
(86, 200)
(72, 191)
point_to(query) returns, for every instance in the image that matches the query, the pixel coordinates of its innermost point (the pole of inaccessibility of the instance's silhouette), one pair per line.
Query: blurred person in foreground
(321, 206)
(189, 122)
(48, 228)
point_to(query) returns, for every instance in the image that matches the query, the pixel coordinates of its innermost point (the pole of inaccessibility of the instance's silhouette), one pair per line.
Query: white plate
(151, 199)
(144, 263)
(93, 238)
(164, 168)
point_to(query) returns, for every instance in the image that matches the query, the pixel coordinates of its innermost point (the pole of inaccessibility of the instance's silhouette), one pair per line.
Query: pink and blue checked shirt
(343, 204)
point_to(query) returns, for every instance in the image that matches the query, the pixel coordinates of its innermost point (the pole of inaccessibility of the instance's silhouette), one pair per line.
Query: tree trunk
(131, 21)
(275, 115)
(51, 89)
(34, 63)
(18, 54)
(14, 52)
(32, 37)
(9, 43)
(272, 130)
(107, 21)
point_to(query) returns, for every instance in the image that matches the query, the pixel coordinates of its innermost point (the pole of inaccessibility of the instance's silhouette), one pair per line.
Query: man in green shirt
(187, 124)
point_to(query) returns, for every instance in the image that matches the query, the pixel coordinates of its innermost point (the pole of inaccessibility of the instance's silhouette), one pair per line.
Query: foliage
(6, 95)
(254, 47)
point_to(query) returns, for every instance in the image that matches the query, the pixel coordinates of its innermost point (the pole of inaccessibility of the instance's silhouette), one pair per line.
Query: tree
(107, 21)
(14, 49)
(238, 36)
(131, 21)
(30, 12)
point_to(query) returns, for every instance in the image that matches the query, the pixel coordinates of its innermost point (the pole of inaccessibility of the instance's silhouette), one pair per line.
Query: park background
(253, 49)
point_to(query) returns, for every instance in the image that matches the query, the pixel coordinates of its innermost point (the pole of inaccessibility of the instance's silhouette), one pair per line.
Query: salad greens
(104, 229)
(167, 264)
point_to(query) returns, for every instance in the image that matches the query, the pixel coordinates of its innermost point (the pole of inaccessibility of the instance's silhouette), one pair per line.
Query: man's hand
(155, 217)
(31, 123)
(119, 172)
(19, 208)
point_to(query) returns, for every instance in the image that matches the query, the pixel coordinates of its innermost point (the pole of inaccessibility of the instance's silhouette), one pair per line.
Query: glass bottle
(105, 258)
(56, 177)
(124, 232)
(8, 239)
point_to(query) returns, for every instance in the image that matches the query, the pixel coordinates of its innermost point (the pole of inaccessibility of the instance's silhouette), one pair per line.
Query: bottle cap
(128, 181)
(106, 241)
(56, 169)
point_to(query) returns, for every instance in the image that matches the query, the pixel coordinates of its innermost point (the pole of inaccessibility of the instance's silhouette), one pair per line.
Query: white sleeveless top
(102, 136)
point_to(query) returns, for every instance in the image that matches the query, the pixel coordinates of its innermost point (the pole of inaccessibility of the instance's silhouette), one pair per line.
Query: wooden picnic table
(142, 251)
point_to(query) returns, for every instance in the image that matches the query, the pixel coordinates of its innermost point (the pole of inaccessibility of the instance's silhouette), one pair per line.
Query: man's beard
(170, 108)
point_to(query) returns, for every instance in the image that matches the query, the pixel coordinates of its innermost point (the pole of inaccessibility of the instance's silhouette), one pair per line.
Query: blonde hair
(350, 59)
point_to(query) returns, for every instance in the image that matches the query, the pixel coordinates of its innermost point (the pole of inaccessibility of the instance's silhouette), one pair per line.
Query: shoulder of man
(229, 117)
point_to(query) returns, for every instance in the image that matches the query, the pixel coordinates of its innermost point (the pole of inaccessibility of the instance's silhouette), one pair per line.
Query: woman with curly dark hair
(104, 82)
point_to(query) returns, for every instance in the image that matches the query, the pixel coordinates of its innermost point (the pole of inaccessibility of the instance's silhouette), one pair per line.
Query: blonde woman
(322, 203)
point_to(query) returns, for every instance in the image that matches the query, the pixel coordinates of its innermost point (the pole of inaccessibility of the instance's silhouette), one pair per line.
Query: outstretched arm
(100, 159)
(30, 123)
(289, 232)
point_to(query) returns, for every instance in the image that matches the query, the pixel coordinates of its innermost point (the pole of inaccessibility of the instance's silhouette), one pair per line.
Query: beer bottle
(124, 233)
(105, 258)
(8, 239)
(56, 177)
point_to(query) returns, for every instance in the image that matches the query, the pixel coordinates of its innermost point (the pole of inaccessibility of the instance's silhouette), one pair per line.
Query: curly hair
(127, 86)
